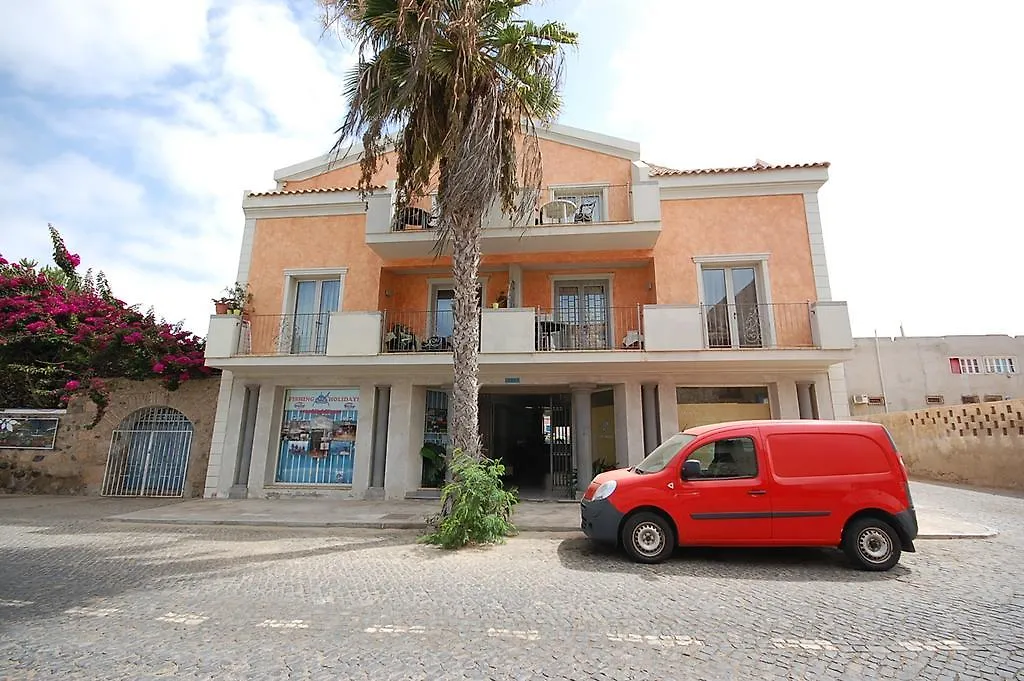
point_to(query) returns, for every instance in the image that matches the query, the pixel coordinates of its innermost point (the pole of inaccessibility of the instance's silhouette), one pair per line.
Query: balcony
(598, 218)
(644, 331)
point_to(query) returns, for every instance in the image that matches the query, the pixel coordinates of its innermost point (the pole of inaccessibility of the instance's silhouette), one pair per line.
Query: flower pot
(220, 308)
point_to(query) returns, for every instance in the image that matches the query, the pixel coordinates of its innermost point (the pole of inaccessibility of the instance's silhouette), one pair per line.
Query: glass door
(732, 307)
(581, 315)
(441, 318)
(315, 300)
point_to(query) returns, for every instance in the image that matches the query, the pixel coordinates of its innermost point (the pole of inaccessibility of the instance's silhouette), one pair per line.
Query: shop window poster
(318, 436)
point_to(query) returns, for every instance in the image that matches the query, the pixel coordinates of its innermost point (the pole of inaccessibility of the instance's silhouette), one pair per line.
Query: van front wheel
(872, 544)
(648, 538)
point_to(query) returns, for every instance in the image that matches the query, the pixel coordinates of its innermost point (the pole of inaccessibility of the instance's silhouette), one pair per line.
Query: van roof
(780, 424)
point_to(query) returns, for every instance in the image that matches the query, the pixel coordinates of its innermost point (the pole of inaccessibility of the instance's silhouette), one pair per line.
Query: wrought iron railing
(757, 325)
(414, 331)
(590, 328)
(284, 334)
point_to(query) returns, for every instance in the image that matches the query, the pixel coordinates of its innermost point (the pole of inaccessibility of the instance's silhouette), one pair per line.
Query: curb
(983, 533)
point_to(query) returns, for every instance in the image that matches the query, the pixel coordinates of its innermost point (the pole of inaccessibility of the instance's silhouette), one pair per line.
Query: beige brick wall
(974, 444)
(78, 460)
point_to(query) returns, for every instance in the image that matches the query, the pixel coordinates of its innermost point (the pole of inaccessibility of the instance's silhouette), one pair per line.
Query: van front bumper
(907, 521)
(600, 521)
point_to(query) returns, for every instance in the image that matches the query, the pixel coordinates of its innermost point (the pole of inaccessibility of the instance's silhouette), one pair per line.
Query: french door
(733, 309)
(315, 300)
(582, 315)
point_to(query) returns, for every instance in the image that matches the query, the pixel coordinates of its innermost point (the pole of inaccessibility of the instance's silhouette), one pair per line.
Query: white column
(405, 439)
(838, 391)
(805, 401)
(362, 465)
(380, 435)
(823, 395)
(231, 435)
(649, 397)
(581, 434)
(266, 438)
(629, 424)
(240, 477)
(668, 411)
(785, 401)
(215, 470)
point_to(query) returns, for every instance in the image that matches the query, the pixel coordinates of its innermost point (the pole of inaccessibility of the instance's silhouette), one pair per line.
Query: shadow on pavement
(778, 565)
(38, 574)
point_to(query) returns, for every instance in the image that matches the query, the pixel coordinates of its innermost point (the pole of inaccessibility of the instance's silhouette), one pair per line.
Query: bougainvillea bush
(62, 333)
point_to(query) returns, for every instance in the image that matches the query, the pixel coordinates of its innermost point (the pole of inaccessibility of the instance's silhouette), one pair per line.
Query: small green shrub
(475, 507)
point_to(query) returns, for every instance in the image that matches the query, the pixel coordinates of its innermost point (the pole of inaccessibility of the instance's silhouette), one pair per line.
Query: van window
(665, 452)
(733, 457)
(799, 455)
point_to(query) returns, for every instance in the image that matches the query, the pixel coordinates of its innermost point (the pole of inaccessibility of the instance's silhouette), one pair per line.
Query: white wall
(914, 367)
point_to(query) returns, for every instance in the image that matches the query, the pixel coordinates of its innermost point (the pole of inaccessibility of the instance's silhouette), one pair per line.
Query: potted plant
(236, 300)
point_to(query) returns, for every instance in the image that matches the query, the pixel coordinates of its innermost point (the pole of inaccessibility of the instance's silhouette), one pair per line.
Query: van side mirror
(691, 469)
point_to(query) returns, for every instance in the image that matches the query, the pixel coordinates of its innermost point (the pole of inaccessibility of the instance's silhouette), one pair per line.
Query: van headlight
(605, 490)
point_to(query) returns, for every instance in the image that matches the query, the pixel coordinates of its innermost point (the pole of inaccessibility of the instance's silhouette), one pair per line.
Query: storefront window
(318, 437)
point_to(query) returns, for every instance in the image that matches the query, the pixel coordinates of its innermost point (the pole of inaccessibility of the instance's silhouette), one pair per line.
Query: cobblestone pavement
(86, 599)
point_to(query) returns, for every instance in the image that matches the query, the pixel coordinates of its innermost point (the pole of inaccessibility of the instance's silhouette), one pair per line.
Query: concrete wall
(915, 367)
(77, 463)
(973, 444)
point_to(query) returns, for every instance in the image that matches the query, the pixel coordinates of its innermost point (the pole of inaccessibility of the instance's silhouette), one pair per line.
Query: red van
(760, 483)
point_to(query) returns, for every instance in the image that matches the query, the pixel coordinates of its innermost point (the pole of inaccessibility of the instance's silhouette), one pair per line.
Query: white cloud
(908, 100)
(104, 47)
(163, 216)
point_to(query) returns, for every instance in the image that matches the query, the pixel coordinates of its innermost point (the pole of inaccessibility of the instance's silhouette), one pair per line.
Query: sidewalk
(409, 515)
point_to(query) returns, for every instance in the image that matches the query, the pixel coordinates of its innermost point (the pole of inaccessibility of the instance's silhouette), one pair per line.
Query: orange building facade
(634, 301)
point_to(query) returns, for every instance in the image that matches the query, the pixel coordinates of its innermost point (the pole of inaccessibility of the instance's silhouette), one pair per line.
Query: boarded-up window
(798, 455)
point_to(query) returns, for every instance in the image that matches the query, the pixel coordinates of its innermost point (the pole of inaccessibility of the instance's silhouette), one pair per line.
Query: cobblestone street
(84, 598)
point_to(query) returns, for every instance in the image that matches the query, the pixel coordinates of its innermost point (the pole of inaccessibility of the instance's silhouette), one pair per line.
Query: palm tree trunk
(463, 413)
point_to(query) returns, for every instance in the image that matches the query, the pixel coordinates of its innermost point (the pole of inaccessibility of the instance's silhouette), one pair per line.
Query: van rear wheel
(872, 544)
(648, 538)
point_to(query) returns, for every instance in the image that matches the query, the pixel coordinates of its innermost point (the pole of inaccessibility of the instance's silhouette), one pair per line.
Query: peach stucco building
(636, 300)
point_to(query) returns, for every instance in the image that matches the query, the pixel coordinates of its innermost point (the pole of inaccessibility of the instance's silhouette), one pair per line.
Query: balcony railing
(600, 328)
(757, 325)
(405, 331)
(284, 334)
(651, 328)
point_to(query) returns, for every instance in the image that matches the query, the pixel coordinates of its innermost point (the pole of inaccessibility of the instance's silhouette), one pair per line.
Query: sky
(136, 133)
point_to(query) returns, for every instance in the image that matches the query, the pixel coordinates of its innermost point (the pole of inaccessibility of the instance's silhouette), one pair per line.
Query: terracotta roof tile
(311, 190)
(662, 171)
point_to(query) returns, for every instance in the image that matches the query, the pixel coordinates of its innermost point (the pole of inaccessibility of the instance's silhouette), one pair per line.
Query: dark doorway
(531, 434)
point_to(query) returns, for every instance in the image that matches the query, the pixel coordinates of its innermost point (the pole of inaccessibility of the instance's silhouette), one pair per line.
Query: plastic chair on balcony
(558, 211)
(633, 340)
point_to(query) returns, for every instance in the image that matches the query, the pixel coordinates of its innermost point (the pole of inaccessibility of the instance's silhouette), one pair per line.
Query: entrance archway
(149, 454)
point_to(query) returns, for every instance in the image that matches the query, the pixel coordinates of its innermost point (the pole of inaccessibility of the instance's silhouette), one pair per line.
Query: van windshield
(659, 458)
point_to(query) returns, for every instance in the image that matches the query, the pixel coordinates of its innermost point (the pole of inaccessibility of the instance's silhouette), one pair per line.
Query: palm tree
(457, 86)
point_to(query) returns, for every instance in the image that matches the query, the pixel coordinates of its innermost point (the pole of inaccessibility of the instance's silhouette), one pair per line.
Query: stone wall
(974, 444)
(78, 460)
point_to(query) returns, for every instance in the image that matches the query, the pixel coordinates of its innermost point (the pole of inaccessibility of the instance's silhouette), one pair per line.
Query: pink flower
(71, 386)
(158, 368)
(35, 327)
(133, 338)
(75, 259)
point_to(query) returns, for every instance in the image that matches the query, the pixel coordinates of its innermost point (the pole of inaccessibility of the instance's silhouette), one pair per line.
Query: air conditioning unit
(861, 399)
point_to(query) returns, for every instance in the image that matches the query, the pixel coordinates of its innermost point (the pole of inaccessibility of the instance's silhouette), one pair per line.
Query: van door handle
(757, 492)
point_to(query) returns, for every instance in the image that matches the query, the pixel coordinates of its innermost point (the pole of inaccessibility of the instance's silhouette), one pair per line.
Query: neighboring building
(637, 300)
(908, 373)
